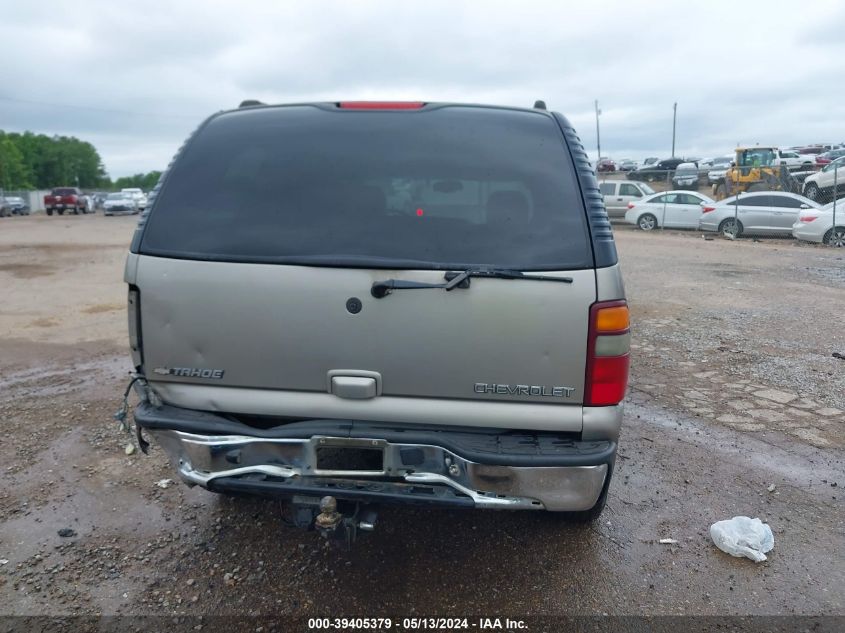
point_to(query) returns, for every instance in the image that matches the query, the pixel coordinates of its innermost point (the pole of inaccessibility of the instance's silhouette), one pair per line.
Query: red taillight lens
(807, 218)
(381, 105)
(609, 380)
(707, 209)
(630, 205)
(608, 357)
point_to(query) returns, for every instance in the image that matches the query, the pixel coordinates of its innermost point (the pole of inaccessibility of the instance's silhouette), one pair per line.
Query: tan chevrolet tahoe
(360, 303)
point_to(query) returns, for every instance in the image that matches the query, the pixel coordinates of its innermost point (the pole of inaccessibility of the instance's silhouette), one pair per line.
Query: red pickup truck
(64, 199)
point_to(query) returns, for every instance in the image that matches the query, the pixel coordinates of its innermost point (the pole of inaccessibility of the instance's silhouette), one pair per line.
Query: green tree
(13, 170)
(143, 181)
(53, 161)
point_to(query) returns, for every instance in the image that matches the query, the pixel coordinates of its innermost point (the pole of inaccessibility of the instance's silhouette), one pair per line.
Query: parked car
(120, 204)
(718, 169)
(417, 237)
(99, 198)
(794, 160)
(651, 160)
(757, 213)
(627, 165)
(14, 205)
(686, 177)
(606, 164)
(716, 163)
(820, 185)
(817, 225)
(661, 170)
(63, 199)
(139, 196)
(829, 156)
(717, 176)
(670, 209)
(618, 194)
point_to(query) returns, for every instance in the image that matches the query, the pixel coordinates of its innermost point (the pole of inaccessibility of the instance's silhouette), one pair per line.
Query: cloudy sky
(135, 78)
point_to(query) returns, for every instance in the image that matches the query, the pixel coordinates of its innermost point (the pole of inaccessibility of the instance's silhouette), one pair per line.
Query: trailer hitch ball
(329, 518)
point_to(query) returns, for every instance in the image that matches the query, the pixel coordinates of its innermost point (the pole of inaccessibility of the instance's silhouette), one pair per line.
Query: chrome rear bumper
(416, 470)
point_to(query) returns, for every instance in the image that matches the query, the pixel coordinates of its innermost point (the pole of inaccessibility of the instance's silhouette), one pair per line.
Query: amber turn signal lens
(612, 319)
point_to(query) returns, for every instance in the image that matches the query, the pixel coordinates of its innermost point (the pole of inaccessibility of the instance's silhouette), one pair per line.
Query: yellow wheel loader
(756, 169)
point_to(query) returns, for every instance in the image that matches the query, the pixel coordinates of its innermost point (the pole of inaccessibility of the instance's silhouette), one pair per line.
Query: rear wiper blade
(455, 280)
(381, 289)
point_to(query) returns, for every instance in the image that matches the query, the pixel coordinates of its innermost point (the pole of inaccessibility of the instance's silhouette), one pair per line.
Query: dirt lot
(736, 407)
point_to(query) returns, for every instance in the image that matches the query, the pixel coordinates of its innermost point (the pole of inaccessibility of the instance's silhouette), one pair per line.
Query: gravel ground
(735, 408)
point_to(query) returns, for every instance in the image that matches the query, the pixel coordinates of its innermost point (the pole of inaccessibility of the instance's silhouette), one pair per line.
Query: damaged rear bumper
(482, 468)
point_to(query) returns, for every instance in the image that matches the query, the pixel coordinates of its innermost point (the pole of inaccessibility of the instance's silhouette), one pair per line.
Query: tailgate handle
(354, 384)
(354, 387)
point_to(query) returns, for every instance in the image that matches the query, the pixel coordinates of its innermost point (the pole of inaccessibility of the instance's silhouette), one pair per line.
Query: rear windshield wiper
(454, 280)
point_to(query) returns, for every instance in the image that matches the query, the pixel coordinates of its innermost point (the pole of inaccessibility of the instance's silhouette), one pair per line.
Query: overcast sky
(135, 78)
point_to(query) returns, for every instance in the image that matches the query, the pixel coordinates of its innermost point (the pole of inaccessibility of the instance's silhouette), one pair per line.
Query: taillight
(630, 205)
(608, 353)
(807, 218)
(134, 313)
(381, 105)
(707, 209)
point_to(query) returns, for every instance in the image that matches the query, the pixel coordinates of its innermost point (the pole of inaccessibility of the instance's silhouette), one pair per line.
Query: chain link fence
(750, 171)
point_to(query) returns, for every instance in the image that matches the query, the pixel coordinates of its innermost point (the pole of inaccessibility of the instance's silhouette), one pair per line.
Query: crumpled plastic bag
(742, 536)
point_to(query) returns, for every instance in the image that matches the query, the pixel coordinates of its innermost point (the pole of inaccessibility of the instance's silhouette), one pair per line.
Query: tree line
(38, 161)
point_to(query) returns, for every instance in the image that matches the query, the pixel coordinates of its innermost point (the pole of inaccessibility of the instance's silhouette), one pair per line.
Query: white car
(758, 212)
(670, 209)
(120, 204)
(718, 168)
(715, 163)
(819, 186)
(139, 196)
(794, 160)
(817, 225)
(618, 194)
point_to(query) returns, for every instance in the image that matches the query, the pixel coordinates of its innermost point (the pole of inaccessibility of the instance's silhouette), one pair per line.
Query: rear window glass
(64, 192)
(430, 189)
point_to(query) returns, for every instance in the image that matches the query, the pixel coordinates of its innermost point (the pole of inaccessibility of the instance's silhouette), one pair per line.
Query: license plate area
(338, 456)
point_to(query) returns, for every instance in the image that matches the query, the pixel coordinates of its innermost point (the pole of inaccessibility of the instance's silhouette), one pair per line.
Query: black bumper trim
(481, 445)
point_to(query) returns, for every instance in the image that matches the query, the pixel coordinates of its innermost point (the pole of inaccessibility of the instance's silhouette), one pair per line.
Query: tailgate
(286, 328)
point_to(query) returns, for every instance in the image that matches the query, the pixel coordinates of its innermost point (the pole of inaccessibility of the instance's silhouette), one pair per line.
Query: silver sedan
(755, 213)
(817, 225)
